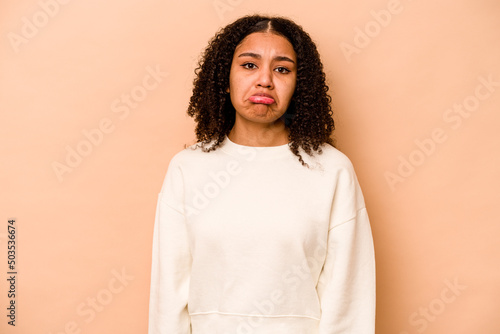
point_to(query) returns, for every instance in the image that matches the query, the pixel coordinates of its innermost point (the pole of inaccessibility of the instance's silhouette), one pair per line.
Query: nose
(265, 78)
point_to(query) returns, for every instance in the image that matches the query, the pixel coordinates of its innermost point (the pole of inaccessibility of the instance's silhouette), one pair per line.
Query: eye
(282, 70)
(249, 66)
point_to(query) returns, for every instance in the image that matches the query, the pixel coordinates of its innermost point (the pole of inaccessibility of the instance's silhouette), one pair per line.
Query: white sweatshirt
(249, 241)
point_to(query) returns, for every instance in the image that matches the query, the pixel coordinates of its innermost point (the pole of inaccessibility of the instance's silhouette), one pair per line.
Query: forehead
(265, 41)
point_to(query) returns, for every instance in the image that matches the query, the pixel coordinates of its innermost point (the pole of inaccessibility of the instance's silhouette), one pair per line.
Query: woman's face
(262, 78)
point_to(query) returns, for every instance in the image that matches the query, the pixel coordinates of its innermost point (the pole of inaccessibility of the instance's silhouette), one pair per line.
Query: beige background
(84, 223)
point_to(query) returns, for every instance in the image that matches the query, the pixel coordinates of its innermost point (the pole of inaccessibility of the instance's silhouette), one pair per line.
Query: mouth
(261, 98)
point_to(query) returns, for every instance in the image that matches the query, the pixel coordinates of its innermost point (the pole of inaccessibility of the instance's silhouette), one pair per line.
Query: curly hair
(309, 115)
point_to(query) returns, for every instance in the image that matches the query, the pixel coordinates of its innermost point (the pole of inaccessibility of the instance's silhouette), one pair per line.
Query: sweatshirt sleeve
(346, 287)
(171, 261)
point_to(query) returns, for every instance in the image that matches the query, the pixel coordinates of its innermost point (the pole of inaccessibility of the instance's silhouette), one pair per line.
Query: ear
(227, 90)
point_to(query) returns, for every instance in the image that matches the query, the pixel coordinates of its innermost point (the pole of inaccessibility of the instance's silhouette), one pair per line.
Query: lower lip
(261, 99)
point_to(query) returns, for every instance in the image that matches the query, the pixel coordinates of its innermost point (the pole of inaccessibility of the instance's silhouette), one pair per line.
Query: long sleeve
(171, 262)
(346, 287)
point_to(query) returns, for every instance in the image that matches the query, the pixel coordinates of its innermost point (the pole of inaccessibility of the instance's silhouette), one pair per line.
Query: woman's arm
(346, 286)
(347, 283)
(171, 263)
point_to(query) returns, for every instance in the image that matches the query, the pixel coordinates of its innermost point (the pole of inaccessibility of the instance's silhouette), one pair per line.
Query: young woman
(261, 226)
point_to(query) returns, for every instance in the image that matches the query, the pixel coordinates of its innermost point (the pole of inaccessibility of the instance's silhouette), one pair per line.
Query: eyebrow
(258, 56)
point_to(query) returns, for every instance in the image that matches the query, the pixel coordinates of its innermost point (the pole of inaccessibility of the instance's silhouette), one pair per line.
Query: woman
(261, 226)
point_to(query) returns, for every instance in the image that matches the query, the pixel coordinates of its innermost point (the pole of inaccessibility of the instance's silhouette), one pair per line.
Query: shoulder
(180, 164)
(335, 157)
(189, 155)
(348, 197)
(330, 160)
(334, 165)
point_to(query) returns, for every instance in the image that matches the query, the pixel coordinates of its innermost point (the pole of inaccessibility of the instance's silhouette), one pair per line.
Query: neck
(274, 135)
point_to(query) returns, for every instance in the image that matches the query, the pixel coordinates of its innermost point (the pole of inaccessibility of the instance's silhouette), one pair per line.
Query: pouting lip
(263, 94)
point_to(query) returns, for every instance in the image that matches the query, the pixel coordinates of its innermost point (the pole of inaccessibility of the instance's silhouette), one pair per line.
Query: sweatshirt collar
(251, 153)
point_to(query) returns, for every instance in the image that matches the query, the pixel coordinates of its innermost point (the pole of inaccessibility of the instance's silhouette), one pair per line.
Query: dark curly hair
(309, 115)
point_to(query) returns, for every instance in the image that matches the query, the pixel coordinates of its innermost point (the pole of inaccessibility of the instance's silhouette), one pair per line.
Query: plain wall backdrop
(93, 97)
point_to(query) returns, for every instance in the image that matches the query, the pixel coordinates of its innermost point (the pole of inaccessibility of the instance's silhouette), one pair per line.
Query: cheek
(290, 88)
(234, 79)
(239, 85)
